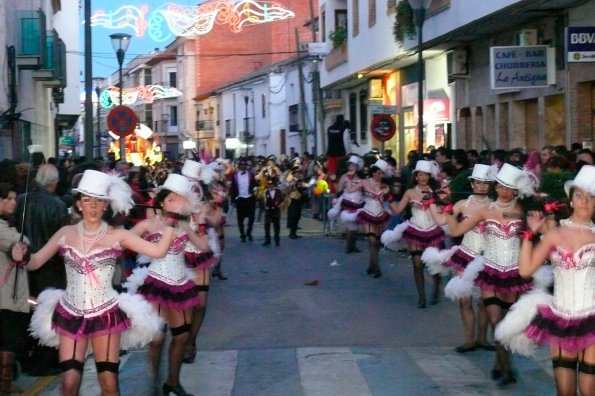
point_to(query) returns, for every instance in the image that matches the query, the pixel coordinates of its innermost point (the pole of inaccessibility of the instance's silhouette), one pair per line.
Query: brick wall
(219, 61)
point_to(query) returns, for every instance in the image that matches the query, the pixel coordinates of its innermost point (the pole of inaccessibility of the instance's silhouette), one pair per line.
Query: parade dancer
(372, 216)
(165, 283)
(567, 321)
(90, 310)
(349, 201)
(458, 257)
(421, 231)
(499, 278)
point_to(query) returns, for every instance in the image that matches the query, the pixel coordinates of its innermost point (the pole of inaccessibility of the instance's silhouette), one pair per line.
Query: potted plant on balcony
(338, 36)
(404, 25)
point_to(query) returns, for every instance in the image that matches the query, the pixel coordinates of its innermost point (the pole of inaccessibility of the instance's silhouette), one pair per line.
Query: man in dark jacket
(243, 187)
(273, 199)
(44, 215)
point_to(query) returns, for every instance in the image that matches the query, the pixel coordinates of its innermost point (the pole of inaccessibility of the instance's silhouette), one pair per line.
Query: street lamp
(98, 85)
(165, 119)
(120, 43)
(419, 8)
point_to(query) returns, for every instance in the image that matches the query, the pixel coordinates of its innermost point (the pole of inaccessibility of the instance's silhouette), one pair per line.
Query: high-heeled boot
(175, 389)
(373, 265)
(7, 373)
(435, 289)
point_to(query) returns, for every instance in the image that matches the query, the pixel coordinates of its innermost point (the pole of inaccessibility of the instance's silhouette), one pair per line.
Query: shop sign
(519, 67)
(437, 109)
(580, 44)
(382, 109)
(66, 141)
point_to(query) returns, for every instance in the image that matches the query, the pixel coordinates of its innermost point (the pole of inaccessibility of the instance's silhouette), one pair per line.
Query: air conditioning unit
(457, 63)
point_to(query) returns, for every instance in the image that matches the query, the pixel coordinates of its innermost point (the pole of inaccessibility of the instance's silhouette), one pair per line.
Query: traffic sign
(383, 127)
(122, 121)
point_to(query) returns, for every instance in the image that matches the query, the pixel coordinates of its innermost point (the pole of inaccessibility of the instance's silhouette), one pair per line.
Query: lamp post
(120, 43)
(419, 8)
(98, 85)
(165, 119)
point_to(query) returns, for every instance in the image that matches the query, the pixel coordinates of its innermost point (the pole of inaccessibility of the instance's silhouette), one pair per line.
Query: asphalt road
(267, 332)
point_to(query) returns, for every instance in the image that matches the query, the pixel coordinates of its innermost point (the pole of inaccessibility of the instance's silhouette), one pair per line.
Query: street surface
(268, 333)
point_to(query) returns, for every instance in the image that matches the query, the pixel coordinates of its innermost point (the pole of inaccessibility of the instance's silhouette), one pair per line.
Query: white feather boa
(511, 330)
(136, 279)
(390, 238)
(214, 242)
(145, 322)
(463, 285)
(41, 321)
(335, 211)
(435, 258)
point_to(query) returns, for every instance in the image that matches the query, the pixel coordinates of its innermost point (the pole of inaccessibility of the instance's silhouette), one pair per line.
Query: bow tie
(242, 173)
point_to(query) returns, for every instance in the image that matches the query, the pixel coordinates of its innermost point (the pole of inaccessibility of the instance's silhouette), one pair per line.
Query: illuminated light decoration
(187, 21)
(147, 93)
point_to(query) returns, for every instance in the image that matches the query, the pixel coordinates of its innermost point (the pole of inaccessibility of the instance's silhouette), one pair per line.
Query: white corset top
(170, 269)
(502, 244)
(355, 196)
(574, 281)
(89, 290)
(473, 241)
(421, 217)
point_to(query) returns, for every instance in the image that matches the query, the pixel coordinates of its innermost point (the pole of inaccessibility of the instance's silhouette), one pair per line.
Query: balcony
(336, 57)
(205, 125)
(52, 71)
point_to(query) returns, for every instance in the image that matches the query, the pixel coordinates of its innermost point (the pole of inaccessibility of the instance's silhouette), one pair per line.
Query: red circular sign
(122, 121)
(383, 127)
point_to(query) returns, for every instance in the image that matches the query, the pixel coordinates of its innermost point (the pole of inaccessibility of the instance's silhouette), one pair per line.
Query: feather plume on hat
(120, 194)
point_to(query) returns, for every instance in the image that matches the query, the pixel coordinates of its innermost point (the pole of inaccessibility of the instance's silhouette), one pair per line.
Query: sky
(116, 19)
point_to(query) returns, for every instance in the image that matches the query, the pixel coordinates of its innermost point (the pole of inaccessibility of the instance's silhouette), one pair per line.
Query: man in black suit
(273, 199)
(243, 186)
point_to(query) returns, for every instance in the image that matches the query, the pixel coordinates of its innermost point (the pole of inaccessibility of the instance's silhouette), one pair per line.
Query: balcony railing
(205, 125)
(336, 57)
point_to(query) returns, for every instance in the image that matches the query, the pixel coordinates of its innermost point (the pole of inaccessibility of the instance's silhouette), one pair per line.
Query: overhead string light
(172, 19)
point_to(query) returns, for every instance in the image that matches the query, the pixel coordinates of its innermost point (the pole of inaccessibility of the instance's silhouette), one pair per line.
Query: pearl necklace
(419, 190)
(481, 202)
(503, 207)
(590, 226)
(90, 237)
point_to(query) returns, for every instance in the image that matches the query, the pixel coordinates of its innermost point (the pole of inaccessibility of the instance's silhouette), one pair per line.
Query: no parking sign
(122, 121)
(383, 127)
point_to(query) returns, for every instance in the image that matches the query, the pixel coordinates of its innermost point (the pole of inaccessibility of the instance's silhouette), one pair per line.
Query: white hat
(383, 165)
(585, 179)
(106, 186)
(191, 169)
(357, 160)
(483, 172)
(429, 167)
(517, 179)
(182, 186)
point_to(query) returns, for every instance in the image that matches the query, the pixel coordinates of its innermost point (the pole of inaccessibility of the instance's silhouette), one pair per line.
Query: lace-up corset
(574, 279)
(374, 202)
(89, 290)
(421, 217)
(502, 244)
(170, 269)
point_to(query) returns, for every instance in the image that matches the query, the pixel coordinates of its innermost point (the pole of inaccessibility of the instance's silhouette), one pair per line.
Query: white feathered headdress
(106, 186)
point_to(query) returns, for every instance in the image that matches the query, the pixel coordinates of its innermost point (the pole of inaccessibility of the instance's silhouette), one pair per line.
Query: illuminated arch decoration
(148, 93)
(188, 21)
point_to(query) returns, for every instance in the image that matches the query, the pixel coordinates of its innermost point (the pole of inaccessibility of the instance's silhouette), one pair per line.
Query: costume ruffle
(172, 296)
(350, 205)
(200, 260)
(502, 282)
(132, 315)
(571, 334)
(390, 238)
(511, 330)
(459, 260)
(423, 238)
(463, 285)
(435, 259)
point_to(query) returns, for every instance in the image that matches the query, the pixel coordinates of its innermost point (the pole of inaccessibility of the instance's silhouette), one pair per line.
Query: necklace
(90, 237)
(502, 206)
(419, 190)
(590, 226)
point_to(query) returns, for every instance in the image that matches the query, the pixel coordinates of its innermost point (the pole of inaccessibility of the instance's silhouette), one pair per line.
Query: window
(263, 100)
(173, 79)
(294, 124)
(341, 18)
(323, 25)
(363, 114)
(148, 77)
(371, 13)
(148, 114)
(228, 132)
(173, 115)
(353, 114)
(355, 8)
